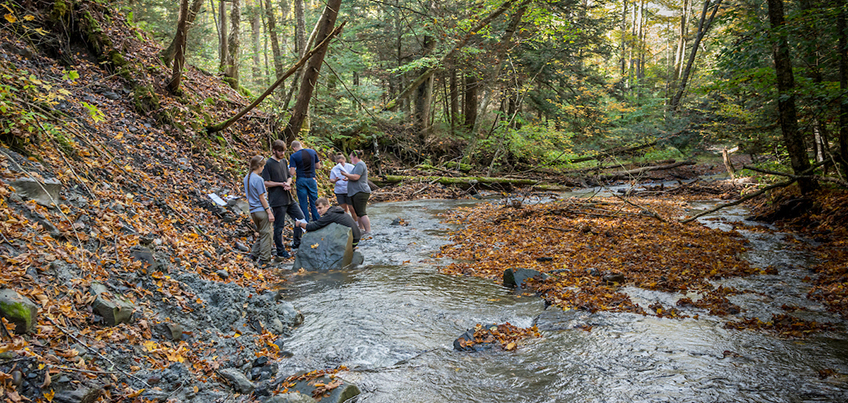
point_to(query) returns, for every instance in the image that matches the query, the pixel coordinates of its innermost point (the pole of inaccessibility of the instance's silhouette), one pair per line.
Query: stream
(393, 323)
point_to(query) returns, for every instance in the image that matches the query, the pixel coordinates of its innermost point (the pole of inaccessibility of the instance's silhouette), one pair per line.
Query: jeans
(307, 193)
(262, 247)
(293, 210)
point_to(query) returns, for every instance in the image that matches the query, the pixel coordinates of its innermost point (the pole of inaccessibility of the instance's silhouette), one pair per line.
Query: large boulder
(114, 309)
(517, 278)
(44, 193)
(327, 390)
(17, 309)
(329, 248)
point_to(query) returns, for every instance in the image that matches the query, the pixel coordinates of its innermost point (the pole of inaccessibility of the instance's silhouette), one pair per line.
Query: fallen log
(461, 182)
(638, 171)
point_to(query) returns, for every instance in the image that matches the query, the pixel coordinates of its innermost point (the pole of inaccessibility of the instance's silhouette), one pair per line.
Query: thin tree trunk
(681, 45)
(703, 27)
(454, 100)
(167, 55)
(233, 43)
(223, 46)
(470, 100)
(255, 30)
(299, 46)
(623, 38)
(843, 85)
(179, 55)
(424, 94)
(311, 71)
(792, 137)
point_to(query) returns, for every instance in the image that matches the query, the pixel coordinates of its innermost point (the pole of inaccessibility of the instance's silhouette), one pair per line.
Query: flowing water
(393, 323)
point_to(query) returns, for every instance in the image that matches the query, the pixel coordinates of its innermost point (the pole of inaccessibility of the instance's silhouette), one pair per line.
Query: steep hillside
(83, 106)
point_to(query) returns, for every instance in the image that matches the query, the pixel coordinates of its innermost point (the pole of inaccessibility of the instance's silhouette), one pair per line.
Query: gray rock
(18, 309)
(291, 398)
(516, 278)
(356, 261)
(237, 380)
(80, 394)
(242, 247)
(469, 336)
(223, 274)
(114, 309)
(146, 257)
(173, 331)
(614, 278)
(44, 193)
(239, 206)
(329, 248)
(339, 394)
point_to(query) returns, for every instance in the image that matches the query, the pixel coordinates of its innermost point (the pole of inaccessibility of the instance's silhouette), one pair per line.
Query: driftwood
(638, 171)
(612, 151)
(815, 177)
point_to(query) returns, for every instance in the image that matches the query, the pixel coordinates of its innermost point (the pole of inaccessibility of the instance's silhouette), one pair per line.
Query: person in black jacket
(334, 214)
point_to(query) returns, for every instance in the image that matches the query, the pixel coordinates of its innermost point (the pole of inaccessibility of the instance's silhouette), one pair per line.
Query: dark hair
(356, 153)
(256, 162)
(279, 145)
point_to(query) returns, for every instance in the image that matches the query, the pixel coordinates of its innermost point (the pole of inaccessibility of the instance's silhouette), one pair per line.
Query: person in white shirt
(340, 181)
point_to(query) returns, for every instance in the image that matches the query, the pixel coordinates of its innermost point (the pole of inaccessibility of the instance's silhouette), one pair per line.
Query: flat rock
(291, 398)
(458, 344)
(339, 394)
(18, 309)
(114, 309)
(237, 380)
(329, 248)
(146, 257)
(516, 278)
(44, 193)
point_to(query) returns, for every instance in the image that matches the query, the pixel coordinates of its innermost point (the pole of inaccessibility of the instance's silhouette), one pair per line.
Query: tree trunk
(454, 100)
(179, 55)
(255, 30)
(167, 55)
(703, 27)
(623, 38)
(681, 45)
(311, 71)
(470, 100)
(792, 137)
(424, 94)
(299, 47)
(223, 48)
(232, 72)
(843, 86)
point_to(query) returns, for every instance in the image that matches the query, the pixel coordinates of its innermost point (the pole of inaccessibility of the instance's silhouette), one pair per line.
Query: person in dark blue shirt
(303, 163)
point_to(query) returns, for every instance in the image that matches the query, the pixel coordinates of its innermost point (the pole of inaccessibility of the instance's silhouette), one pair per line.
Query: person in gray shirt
(358, 190)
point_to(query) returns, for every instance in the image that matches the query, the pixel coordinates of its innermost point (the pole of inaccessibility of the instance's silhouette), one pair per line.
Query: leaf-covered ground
(592, 247)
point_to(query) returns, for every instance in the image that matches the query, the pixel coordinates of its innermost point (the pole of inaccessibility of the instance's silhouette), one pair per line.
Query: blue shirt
(254, 188)
(301, 168)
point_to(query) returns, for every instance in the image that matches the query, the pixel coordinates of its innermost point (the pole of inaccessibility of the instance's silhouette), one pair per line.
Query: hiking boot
(295, 245)
(279, 259)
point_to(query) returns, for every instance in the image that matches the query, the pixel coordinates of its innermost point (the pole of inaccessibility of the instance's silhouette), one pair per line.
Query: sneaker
(279, 259)
(295, 245)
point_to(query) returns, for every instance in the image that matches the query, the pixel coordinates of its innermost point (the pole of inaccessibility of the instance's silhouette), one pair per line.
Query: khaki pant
(262, 247)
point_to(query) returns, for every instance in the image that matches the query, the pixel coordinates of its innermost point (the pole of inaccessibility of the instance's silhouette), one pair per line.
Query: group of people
(268, 187)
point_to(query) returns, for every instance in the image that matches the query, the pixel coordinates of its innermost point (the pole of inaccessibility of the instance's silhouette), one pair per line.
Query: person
(304, 162)
(329, 215)
(278, 181)
(340, 182)
(260, 211)
(358, 190)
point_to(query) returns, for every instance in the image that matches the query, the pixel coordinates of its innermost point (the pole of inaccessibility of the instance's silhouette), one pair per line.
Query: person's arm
(334, 177)
(264, 201)
(317, 162)
(321, 222)
(352, 176)
(292, 166)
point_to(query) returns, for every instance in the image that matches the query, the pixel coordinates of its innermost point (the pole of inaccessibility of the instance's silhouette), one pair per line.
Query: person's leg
(350, 209)
(293, 210)
(302, 192)
(365, 222)
(279, 223)
(360, 203)
(264, 237)
(313, 196)
(255, 248)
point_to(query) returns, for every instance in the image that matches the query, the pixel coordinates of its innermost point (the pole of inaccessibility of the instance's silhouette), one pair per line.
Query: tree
(843, 85)
(793, 140)
(275, 42)
(223, 48)
(179, 56)
(703, 26)
(311, 72)
(232, 67)
(169, 53)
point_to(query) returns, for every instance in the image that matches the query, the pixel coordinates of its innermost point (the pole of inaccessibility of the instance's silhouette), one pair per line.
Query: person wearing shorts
(358, 190)
(340, 182)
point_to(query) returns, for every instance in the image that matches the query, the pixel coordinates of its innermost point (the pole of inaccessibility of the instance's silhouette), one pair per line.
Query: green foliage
(94, 113)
